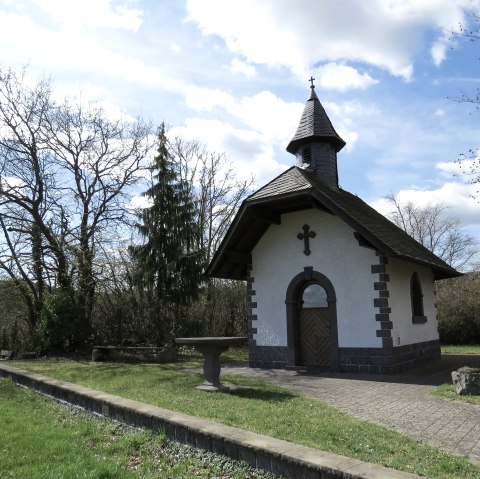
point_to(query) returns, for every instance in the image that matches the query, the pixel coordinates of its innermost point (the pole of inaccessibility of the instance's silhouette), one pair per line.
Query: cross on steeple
(306, 235)
(311, 81)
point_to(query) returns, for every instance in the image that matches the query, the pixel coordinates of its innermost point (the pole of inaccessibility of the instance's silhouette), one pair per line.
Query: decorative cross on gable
(306, 235)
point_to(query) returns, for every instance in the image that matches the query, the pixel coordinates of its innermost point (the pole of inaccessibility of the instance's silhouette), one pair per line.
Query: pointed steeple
(315, 126)
(316, 143)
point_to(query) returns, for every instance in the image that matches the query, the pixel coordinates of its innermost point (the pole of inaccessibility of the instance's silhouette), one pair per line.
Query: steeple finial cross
(306, 235)
(311, 81)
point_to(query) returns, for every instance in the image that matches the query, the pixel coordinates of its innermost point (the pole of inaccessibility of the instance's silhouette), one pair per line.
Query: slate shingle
(369, 223)
(314, 126)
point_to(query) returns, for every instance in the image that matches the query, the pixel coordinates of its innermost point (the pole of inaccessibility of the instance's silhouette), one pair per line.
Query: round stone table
(211, 348)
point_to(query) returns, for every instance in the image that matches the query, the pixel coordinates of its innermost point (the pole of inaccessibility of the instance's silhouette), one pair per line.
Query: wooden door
(314, 337)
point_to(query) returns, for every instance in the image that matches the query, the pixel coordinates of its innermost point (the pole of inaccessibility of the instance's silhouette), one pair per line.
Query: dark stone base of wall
(388, 360)
(267, 357)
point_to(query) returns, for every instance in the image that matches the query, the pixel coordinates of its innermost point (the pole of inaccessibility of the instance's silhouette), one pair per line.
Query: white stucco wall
(404, 331)
(278, 257)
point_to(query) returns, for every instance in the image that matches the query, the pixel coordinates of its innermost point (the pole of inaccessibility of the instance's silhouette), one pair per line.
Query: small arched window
(314, 296)
(416, 297)
(306, 155)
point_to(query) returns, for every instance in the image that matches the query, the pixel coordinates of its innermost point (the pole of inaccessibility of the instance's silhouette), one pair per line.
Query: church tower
(316, 143)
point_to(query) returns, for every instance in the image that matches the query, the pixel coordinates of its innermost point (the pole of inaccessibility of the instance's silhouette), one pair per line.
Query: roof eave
(214, 266)
(438, 271)
(296, 143)
(218, 254)
(319, 200)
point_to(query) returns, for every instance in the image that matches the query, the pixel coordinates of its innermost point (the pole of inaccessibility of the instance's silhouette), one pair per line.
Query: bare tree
(65, 170)
(118, 315)
(218, 192)
(469, 34)
(431, 226)
(100, 157)
(469, 162)
(215, 186)
(26, 184)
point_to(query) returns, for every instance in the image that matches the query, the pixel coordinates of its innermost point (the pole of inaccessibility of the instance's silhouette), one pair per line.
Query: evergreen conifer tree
(169, 266)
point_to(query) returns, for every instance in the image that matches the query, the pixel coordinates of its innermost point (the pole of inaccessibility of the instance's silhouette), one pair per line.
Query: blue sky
(234, 74)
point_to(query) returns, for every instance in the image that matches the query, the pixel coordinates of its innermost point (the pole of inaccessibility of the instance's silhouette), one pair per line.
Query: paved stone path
(402, 402)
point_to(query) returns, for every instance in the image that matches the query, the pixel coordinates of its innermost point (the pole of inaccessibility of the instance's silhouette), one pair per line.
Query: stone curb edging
(280, 457)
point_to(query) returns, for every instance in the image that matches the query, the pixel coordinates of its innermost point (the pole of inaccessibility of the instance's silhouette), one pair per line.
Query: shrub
(16, 337)
(12, 304)
(458, 303)
(128, 318)
(58, 322)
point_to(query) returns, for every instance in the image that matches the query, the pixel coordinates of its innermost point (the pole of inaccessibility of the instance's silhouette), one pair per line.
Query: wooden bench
(105, 353)
(5, 354)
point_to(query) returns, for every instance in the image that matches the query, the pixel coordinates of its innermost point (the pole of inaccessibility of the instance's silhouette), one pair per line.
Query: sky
(234, 74)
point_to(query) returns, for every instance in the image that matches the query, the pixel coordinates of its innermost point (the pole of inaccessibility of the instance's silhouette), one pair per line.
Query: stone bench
(162, 354)
(5, 354)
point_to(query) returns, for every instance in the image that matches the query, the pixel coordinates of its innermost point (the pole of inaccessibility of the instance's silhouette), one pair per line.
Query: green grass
(460, 348)
(190, 357)
(43, 439)
(447, 391)
(263, 408)
(234, 354)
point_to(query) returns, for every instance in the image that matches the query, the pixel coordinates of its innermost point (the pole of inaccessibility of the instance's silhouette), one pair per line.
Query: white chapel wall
(404, 331)
(278, 257)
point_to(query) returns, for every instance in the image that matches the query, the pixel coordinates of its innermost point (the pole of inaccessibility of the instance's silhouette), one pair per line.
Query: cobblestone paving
(402, 402)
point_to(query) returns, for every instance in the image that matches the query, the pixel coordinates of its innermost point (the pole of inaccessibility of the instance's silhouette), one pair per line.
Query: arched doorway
(312, 336)
(314, 327)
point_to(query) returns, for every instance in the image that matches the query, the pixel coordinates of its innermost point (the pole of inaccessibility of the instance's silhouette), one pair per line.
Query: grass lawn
(460, 348)
(43, 439)
(447, 390)
(263, 408)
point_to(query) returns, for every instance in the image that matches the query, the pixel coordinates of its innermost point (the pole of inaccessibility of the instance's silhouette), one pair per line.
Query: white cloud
(61, 48)
(239, 66)
(456, 196)
(269, 115)
(350, 137)
(139, 202)
(11, 182)
(265, 113)
(448, 168)
(438, 52)
(383, 33)
(340, 77)
(457, 169)
(92, 14)
(347, 116)
(113, 111)
(207, 99)
(250, 151)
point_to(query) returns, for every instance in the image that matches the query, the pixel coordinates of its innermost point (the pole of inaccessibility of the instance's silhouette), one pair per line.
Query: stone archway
(299, 322)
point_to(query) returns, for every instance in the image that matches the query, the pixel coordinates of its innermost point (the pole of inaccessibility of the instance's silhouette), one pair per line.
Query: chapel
(331, 283)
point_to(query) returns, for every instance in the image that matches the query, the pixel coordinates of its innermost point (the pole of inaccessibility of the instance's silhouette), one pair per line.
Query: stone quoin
(356, 294)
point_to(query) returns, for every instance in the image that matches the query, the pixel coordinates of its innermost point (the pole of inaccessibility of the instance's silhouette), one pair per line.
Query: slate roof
(314, 126)
(298, 189)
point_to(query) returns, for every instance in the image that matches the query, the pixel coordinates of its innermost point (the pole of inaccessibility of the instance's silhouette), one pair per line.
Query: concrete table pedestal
(211, 349)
